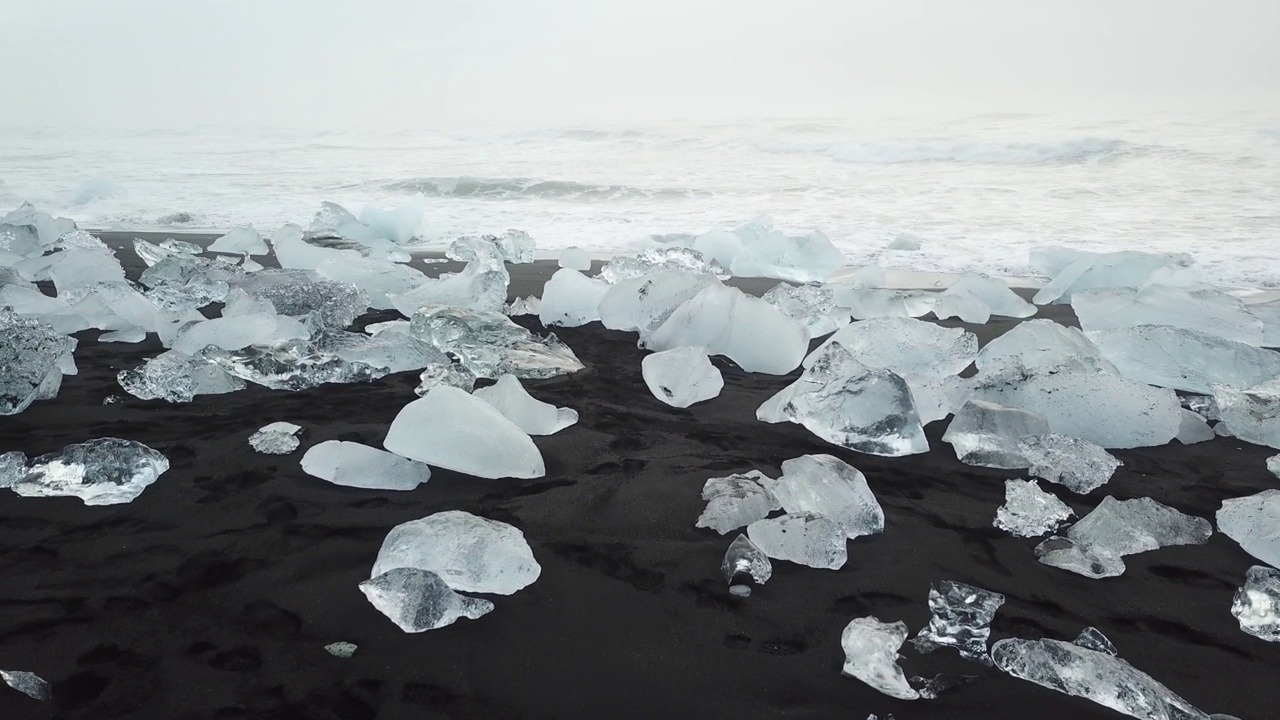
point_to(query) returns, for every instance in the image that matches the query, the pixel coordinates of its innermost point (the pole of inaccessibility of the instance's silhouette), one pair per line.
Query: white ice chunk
(341, 649)
(291, 251)
(961, 619)
(720, 246)
(1209, 311)
(530, 305)
(105, 471)
(905, 346)
(1095, 546)
(937, 397)
(681, 376)
(1194, 429)
(1257, 604)
(575, 258)
(571, 299)
(1078, 465)
(871, 655)
(470, 553)
(644, 302)
(813, 305)
(994, 294)
(447, 373)
(27, 683)
(986, 434)
(241, 241)
(746, 329)
(827, 486)
(481, 286)
(334, 226)
(806, 258)
(531, 415)
(1254, 522)
(866, 303)
(277, 438)
(806, 539)
(418, 600)
(1185, 359)
(735, 501)
(1076, 270)
(1253, 414)
(1029, 511)
(399, 224)
(961, 302)
(353, 464)
(744, 558)
(451, 429)
(1273, 464)
(1269, 314)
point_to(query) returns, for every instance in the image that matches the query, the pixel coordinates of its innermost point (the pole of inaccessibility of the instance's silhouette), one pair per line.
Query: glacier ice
(735, 501)
(1208, 311)
(451, 429)
(803, 258)
(813, 305)
(322, 304)
(575, 258)
(643, 303)
(393, 348)
(1029, 511)
(292, 251)
(746, 329)
(905, 346)
(1253, 521)
(805, 539)
(241, 241)
(334, 226)
(1185, 359)
(417, 600)
(1096, 545)
(1269, 314)
(481, 285)
(290, 365)
(1073, 271)
(177, 377)
(743, 558)
(987, 434)
(30, 353)
(961, 619)
(571, 299)
(681, 376)
(937, 397)
(1251, 414)
(654, 260)
(1257, 605)
(530, 305)
(531, 415)
(353, 464)
(827, 486)
(13, 467)
(490, 345)
(1078, 465)
(277, 438)
(871, 655)
(448, 373)
(27, 683)
(513, 246)
(105, 471)
(470, 553)
(1194, 429)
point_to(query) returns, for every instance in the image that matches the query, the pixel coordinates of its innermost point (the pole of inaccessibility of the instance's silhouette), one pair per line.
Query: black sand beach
(214, 593)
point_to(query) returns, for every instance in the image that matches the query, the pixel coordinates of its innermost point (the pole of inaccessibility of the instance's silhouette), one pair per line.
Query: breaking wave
(517, 188)
(988, 153)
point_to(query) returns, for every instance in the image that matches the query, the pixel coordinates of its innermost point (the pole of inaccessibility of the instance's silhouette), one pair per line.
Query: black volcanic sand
(213, 594)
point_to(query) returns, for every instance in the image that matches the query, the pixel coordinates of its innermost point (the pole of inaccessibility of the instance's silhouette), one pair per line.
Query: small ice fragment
(531, 415)
(744, 558)
(342, 650)
(804, 538)
(417, 600)
(961, 619)
(1254, 522)
(105, 471)
(278, 438)
(575, 258)
(571, 299)
(681, 376)
(813, 305)
(1193, 429)
(1092, 638)
(451, 429)
(1095, 547)
(352, 464)
(986, 434)
(530, 305)
(828, 486)
(27, 683)
(1257, 604)
(1029, 511)
(871, 655)
(241, 241)
(735, 501)
(1078, 465)
(1078, 270)
(470, 553)
(112, 400)
(450, 374)
(1203, 405)
(746, 329)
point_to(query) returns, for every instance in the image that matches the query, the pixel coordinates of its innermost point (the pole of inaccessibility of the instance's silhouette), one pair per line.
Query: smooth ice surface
(846, 403)
(1185, 359)
(1029, 511)
(177, 377)
(1269, 314)
(805, 258)
(451, 429)
(278, 438)
(353, 464)
(828, 486)
(321, 304)
(736, 501)
(575, 258)
(1093, 675)
(644, 302)
(813, 305)
(531, 415)
(804, 538)
(1253, 414)
(241, 241)
(571, 299)
(937, 397)
(681, 376)
(417, 600)
(290, 365)
(490, 345)
(1194, 429)
(961, 619)
(1254, 522)
(744, 558)
(447, 373)
(1257, 605)
(394, 349)
(986, 434)
(905, 346)
(1208, 311)
(470, 553)
(30, 353)
(481, 285)
(379, 279)
(105, 471)
(746, 329)
(1078, 465)
(27, 683)
(871, 655)
(1095, 546)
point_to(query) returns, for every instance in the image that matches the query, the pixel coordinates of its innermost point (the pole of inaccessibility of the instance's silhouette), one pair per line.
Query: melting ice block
(177, 377)
(1185, 359)
(828, 486)
(905, 346)
(1253, 414)
(813, 305)
(744, 558)
(105, 471)
(1254, 522)
(961, 619)
(1029, 511)
(1257, 604)
(986, 434)
(1078, 465)
(278, 438)
(735, 501)
(530, 305)
(490, 345)
(27, 683)
(575, 258)
(1095, 546)
(513, 246)
(805, 538)
(1194, 429)
(644, 302)
(321, 304)
(352, 464)
(1091, 638)
(531, 415)
(1208, 311)
(1273, 464)
(418, 600)
(450, 429)
(481, 285)
(31, 354)
(871, 655)
(806, 258)
(241, 241)
(681, 376)
(470, 553)
(746, 329)
(571, 299)
(393, 349)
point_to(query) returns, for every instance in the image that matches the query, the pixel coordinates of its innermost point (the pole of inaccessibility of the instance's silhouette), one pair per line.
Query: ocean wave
(517, 188)
(941, 151)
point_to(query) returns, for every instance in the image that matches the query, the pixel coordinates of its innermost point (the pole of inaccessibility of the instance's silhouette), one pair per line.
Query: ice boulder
(1183, 359)
(806, 258)
(871, 655)
(735, 501)
(418, 600)
(105, 471)
(1254, 522)
(805, 539)
(177, 377)
(352, 464)
(575, 258)
(334, 226)
(644, 303)
(905, 346)
(239, 331)
(1039, 345)
(571, 299)
(33, 357)
(1208, 311)
(828, 486)
(379, 279)
(1194, 429)
(451, 429)
(1076, 270)
(470, 553)
(533, 416)
(746, 329)
(1029, 511)
(681, 376)
(399, 224)
(1257, 605)
(1095, 547)
(1251, 414)
(655, 260)
(986, 434)
(868, 303)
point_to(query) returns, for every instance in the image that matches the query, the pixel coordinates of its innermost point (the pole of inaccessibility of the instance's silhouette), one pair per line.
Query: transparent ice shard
(746, 329)
(871, 655)
(418, 600)
(1207, 311)
(805, 258)
(814, 306)
(13, 467)
(447, 373)
(1029, 511)
(1194, 429)
(828, 486)
(118, 306)
(451, 429)
(1203, 405)
(27, 683)
(322, 304)
(804, 538)
(398, 224)
(961, 303)
(720, 246)
(1257, 605)
(1091, 638)
(681, 376)
(654, 260)
(1185, 359)
(530, 305)
(1078, 465)
(571, 299)
(986, 434)
(937, 397)
(905, 346)
(470, 553)
(736, 501)
(961, 619)
(1251, 414)
(744, 560)
(243, 240)
(490, 345)
(1253, 521)
(30, 353)
(1095, 546)
(290, 365)
(333, 226)
(277, 438)
(575, 258)
(177, 377)
(643, 303)
(513, 246)
(353, 464)
(105, 471)
(531, 415)
(393, 349)
(480, 286)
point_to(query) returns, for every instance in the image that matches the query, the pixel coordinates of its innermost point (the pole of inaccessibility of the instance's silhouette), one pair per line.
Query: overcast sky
(338, 63)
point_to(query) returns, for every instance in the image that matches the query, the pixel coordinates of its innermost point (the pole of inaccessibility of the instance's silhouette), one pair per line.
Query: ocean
(977, 192)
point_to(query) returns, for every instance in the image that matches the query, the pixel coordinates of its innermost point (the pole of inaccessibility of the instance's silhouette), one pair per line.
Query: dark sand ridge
(213, 594)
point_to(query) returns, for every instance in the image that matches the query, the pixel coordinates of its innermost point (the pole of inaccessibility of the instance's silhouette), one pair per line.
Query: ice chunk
(813, 305)
(1203, 405)
(871, 655)
(177, 377)
(1078, 465)
(1209, 311)
(1254, 522)
(736, 501)
(986, 434)
(321, 304)
(490, 345)
(380, 279)
(290, 365)
(866, 303)
(904, 242)
(399, 224)
(342, 650)
(530, 305)
(746, 329)
(1091, 638)
(239, 331)
(293, 252)
(513, 246)
(334, 226)
(995, 294)
(27, 683)
(1093, 675)
(43, 228)
(418, 600)
(1095, 546)
(30, 353)
(846, 403)
(186, 281)
(905, 346)
(961, 619)
(644, 303)
(470, 553)
(656, 260)
(352, 464)
(1253, 414)
(13, 467)
(805, 538)
(719, 246)
(1029, 511)
(1273, 464)
(118, 306)
(960, 302)
(531, 415)
(681, 376)
(828, 486)
(277, 438)
(447, 373)
(1077, 270)
(396, 350)
(575, 258)
(1269, 314)
(1257, 604)
(937, 397)
(571, 299)
(1037, 345)
(806, 258)
(241, 241)
(450, 429)
(480, 286)
(105, 471)
(1185, 359)
(743, 558)
(1194, 429)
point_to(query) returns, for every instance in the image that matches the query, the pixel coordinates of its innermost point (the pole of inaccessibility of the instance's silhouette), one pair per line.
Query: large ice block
(243, 240)
(828, 486)
(1251, 414)
(1077, 270)
(871, 655)
(289, 365)
(105, 471)
(1253, 521)
(418, 600)
(353, 464)
(1257, 605)
(531, 415)
(1078, 465)
(805, 539)
(961, 619)
(681, 376)
(470, 553)
(986, 434)
(1029, 511)
(736, 501)
(994, 295)
(1210, 311)
(905, 346)
(381, 280)
(746, 329)
(1183, 359)
(571, 299)
(1095, 546)
(451, 429)
(490, 345)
